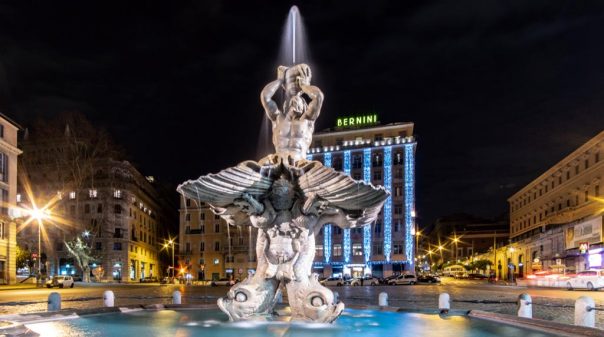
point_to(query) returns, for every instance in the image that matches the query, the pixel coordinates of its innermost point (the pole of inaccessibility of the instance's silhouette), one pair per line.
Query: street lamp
(171, 242)
(39, 215)
(455, 241)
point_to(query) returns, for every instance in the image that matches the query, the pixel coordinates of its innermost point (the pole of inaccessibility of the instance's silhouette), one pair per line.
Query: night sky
(499, 91)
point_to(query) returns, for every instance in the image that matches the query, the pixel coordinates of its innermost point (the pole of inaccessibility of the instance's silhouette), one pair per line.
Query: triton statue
(288, 199)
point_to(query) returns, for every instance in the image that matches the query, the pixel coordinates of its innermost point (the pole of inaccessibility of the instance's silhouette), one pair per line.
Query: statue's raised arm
(266, 96)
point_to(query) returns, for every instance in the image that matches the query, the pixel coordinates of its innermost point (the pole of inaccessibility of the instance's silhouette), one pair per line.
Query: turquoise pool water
(211, 323)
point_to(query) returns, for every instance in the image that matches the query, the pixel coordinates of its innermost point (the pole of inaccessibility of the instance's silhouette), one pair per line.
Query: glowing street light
(39, 214)
(171, 242)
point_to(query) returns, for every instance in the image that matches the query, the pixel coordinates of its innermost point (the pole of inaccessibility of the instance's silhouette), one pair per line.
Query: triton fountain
(288, 199)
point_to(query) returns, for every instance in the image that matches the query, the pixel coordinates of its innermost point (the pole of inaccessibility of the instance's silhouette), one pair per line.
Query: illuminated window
(92, 193)
(357, 249)
(337, 250)
(117, 194)
(18, 197)
(72, 195)
(318, 250)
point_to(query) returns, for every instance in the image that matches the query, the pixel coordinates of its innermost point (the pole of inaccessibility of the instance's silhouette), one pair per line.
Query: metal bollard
(585, 315)
(444, 303)
(525, 308)
(54, 301)
(108, 298)
(176, 297)
(383, 299)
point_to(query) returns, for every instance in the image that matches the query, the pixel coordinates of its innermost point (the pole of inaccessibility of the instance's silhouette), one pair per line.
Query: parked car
(589, 279)
(404, 279)
(386, 280)
(333, 281)
(476, 276)
(60, 281)
(222, 282)
(428, 278)
(365, 280)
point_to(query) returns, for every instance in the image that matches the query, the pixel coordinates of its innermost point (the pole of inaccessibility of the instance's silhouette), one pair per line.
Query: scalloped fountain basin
(352, 323)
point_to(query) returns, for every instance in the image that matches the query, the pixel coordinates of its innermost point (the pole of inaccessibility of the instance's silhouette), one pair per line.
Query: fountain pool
(352, 323)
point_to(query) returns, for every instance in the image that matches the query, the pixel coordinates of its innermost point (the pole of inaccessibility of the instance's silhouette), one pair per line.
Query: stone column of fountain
(288, 199)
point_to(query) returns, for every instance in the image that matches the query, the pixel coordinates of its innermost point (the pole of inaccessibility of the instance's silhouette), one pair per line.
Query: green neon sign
(346, 122)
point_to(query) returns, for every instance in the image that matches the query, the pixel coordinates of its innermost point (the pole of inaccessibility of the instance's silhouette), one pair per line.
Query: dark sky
(499, 90)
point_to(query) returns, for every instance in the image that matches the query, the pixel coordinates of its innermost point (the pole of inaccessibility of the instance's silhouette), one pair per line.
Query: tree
(23, 257)
(81, 252)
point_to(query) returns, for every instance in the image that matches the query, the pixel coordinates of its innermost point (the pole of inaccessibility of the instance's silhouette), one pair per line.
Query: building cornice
(10, 148)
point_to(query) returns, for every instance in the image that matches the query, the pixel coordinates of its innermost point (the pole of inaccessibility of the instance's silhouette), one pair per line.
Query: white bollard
(336, 297)
(383, 299)
(525, 308)
(585, 315)
(54, 301)
(444, 303)
(108, 298)
(176, 297)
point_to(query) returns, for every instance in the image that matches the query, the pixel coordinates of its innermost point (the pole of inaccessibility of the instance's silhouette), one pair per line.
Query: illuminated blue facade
(388, 204)
(367, 228)
(346, 240)
(383, 155)
(327, 228)
(409, 169)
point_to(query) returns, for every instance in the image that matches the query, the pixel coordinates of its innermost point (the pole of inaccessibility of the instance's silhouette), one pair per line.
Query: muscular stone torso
(292, 137)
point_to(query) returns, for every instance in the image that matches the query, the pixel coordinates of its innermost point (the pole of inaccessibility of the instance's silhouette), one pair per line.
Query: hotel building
(382, 155)
(8, 191)
(556, 220)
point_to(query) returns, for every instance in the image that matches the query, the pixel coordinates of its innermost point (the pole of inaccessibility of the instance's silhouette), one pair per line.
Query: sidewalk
(18, 286)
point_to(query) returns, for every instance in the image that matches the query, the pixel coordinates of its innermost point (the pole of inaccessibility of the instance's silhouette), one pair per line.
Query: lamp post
(455, 241)
(171, 243)
(39, 215)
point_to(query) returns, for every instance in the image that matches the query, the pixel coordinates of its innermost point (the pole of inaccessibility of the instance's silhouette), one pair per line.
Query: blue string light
(327, 230)
(409, 198)
(367, 228)
(309, 157)
(388, 205)
(347, 250)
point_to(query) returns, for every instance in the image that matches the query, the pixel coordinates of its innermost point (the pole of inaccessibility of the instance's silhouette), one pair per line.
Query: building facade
(109, 205)
(8, 191)
(209, 249)
(556, 220)
(382, 155)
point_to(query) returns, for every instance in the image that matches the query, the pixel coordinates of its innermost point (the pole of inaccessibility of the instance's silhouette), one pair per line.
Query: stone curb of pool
(14, 325)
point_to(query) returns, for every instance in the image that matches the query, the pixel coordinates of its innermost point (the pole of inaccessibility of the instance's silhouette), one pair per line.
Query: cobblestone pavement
(549, 304)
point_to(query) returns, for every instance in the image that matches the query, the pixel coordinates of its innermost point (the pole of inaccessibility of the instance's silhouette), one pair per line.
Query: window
(188, 217)
(117, 209)
(188, 247)
(398, 226)
(586, 163)
(586, 196)
(216, 217)
(378, 137)
(202, 216)
(188, 202)
(3, 167)
(377, 160)
(3, 233)
(217, 228)
(99, 208)
(597, 159)
(18, 197)
(398, 190)
(1, 130)
(398, 209)
(377, 228)
(377, 175)
(397, 248)
(337, 230)
(72, 210)
(377, 249)
(202, 246)
(318, 250)
(72, 195)
(357, 162)
(117, 194)
(98, 246)
(117, 246)
(202, 229)
(597, 191)
(577, 169)
(93, 193)
(337, 250)
(567, 175)
(187, 229)
(217, 246)
(337, 163)
(357, 249)
(356, 176)
(398, 173)
(398, 158)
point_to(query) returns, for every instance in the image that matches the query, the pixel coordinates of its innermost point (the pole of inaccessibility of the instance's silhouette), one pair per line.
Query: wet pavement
(549, 304)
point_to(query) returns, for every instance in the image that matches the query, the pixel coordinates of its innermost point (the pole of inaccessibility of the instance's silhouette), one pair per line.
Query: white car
(223, 282)
(588, 279)
(333, 281)
(367, 280)
(61, 282)
(403, 279)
